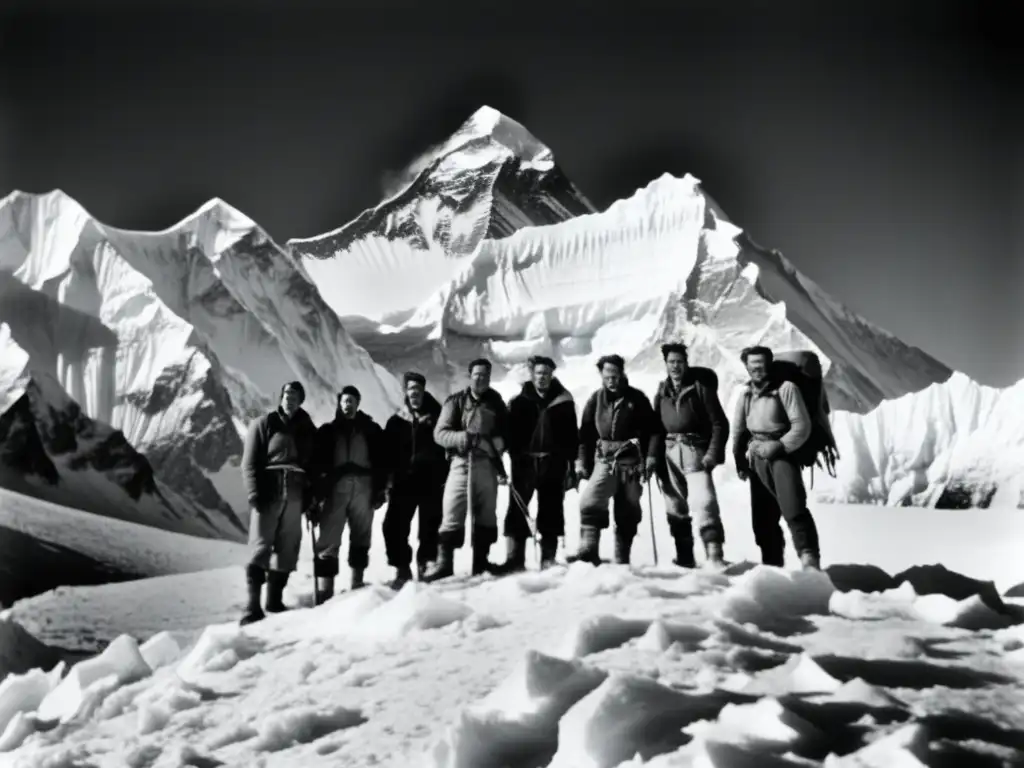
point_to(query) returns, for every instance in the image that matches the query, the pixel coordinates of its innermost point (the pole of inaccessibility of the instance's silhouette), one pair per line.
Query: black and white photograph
(539, 385)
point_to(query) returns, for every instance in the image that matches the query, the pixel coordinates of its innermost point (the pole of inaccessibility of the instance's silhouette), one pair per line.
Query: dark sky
(880, 149)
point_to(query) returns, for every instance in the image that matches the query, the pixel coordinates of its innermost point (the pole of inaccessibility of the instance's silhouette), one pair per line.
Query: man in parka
(472, 429)
(352, 479)
(543, 441)
(691, 443)
(770, 425)
(418, 468)
(276, 464)
(618, 444)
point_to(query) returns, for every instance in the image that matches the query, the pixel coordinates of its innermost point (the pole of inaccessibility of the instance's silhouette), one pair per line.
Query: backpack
(804, 370)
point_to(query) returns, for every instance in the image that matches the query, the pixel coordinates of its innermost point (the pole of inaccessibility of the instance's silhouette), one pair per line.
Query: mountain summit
(490, 179)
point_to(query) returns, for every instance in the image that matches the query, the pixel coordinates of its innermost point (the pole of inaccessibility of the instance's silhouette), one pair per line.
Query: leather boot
(358, 581)
(403, 575)
(810, 561)
(444, 566)
(422, 566)
(481, 564)
(515, 562)
(713, 550)
(590, 545)
(772, 556)
(684, 549)
(276, 582)
(324, 589)
(548, 550)
(254, 579)
(623, 547)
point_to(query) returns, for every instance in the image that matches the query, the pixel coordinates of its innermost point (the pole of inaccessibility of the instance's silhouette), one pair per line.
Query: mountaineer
(276, 468)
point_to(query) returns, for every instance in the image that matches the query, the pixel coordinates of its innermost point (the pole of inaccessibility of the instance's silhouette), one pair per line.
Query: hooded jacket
(620, 419)
(409, 444)
(272, 440)
(695, 409)
(543, 425)
(350, 446)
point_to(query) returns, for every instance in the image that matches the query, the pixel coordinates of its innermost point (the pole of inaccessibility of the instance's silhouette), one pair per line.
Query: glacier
(201, 324)
(51, 450)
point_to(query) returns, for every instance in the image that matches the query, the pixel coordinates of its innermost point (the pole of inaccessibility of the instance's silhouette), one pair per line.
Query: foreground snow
(758, 666)
(572, 667)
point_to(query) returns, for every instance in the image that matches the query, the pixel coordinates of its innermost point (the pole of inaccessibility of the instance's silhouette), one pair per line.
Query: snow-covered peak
(14, 369)
(488, 180)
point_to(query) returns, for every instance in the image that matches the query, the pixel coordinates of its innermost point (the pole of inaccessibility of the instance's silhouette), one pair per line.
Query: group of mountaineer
(446, 461)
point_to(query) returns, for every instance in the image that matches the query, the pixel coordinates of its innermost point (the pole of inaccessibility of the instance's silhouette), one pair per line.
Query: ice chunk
(906, 747)
(161, 650)
(585, 580)
(415, 607)
(628, 715)
(120, 660)
(891, 604)
(517, 723)
(766, 724)
(661, 635)
(764, 594)
(801, 674)
(970, 613)
(24, 693)
(220, 647)
(599, 633)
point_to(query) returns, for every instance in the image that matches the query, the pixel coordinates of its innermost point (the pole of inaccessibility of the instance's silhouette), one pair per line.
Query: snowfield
(576, 666)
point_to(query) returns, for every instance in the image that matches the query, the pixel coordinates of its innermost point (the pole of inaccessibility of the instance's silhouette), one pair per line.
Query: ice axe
(650, 503)
(312, 539)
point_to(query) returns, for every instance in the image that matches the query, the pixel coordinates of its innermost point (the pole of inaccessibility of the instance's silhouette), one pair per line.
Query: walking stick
(650, 512)
(312, 540)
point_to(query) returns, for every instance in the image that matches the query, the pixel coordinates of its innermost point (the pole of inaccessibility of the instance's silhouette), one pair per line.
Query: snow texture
(178, 339)
(574, 666)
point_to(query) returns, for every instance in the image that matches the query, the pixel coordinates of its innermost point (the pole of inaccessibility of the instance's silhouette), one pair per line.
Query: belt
(765, 436)
(284, 468)
(687, 438)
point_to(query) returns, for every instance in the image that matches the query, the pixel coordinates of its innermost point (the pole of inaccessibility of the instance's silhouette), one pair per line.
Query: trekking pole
(650, 511)
(312, 540)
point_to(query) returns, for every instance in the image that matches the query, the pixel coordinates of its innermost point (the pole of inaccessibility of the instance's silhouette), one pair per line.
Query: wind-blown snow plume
(491, 178)
(210, 317)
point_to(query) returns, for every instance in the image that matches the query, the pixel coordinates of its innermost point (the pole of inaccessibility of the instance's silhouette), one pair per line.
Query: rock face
(176, 339)
(51, 450)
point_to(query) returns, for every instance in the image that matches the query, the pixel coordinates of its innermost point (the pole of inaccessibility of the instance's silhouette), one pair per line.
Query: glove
(313, 512)
(650, 467)
(379, 499)
(742, 474)
(472, 440)
(768, 449)
(502, 478)
(581, 471)
(572, 481)
(708, 462)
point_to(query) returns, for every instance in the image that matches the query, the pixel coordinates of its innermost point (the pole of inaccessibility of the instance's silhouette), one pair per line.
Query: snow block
(121, 660)
(766, 593)
(600, 633)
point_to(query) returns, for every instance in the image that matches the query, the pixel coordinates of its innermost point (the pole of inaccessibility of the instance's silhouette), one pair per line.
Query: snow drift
(488, 180)
(754, 666)
(201, 325)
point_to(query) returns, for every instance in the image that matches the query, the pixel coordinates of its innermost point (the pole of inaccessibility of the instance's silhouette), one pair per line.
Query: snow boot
(515, 561)
(810, 561)
(358, 581)
(713, 550)
(422, 566)
(254, 578)
(684, 549)
(770, 556)
(623, 547)
(324, 589)
(590, 544)
(444, 566)
(276, 582)
(403, 575)
(548, 550)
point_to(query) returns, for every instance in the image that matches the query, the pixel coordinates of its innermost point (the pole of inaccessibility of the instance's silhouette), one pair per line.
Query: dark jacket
(694, 410)
(409, 445)
(543, 425)
(350, 446)
(461, 413)
(275, 440)
(617, 420)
